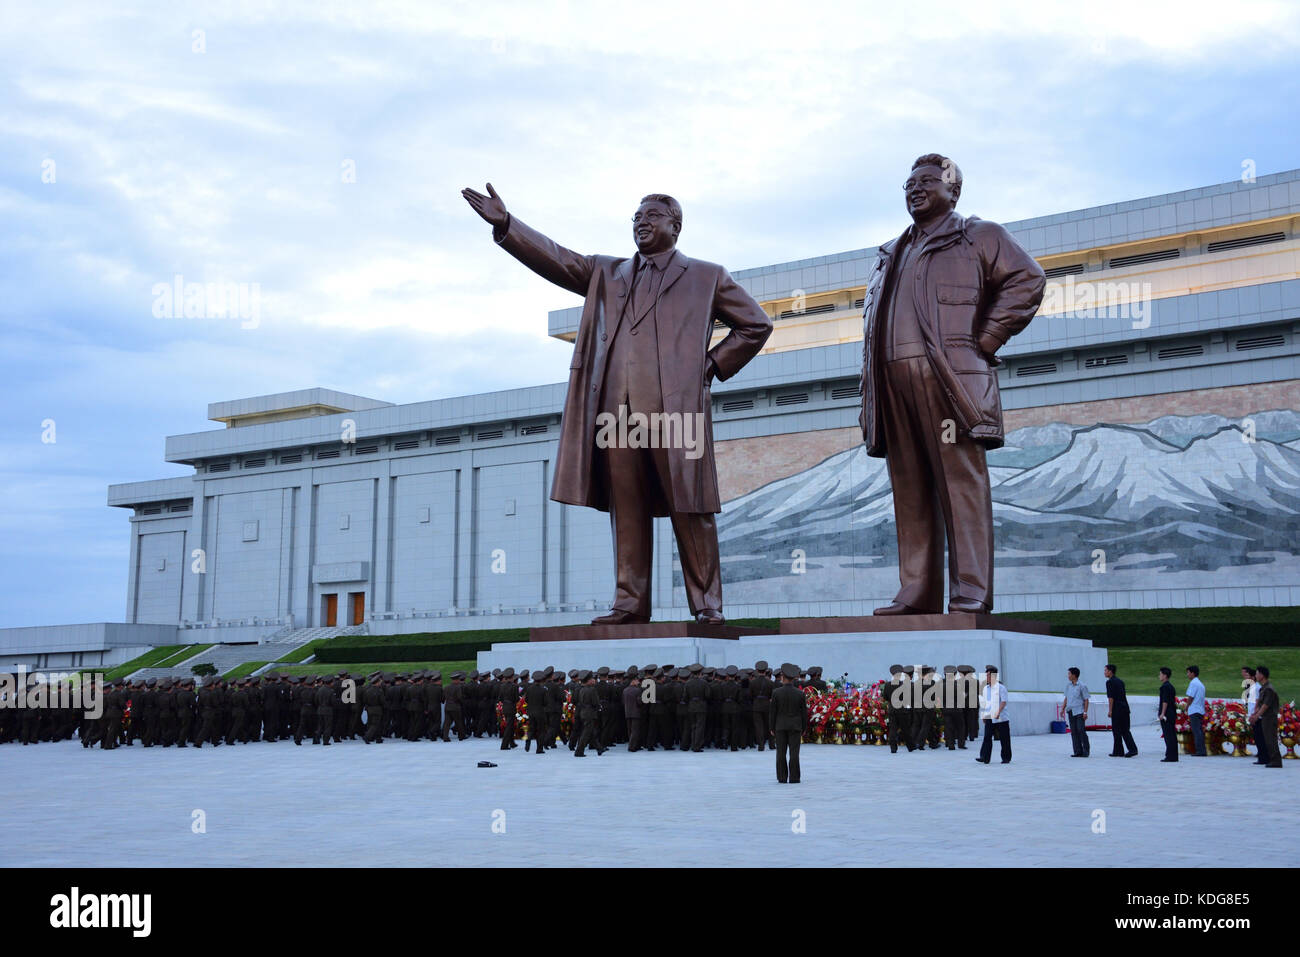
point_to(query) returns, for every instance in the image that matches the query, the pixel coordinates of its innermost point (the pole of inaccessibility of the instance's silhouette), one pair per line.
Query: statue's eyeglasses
(924, 181)
(653, 216)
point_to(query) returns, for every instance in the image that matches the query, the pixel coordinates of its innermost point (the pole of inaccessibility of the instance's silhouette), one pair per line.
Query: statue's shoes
(967, 606)
(617, 617)
(710, 616)
(898, 608)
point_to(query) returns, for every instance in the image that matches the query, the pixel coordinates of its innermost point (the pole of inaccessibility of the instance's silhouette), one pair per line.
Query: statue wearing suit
(642, 349)
(942, 299)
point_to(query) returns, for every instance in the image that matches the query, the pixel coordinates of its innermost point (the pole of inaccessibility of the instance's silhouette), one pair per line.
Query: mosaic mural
(1179, 501)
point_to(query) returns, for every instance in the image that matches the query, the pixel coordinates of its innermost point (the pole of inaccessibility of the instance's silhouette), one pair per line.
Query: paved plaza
(425, 803)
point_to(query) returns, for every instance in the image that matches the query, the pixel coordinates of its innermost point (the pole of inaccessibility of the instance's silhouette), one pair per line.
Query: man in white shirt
(997, 722)
(1196, 710)
(1250, 698)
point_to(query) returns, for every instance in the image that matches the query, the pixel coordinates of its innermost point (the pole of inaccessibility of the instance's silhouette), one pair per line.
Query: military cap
(632, 671)
(790, 671)
(760, 666)
(815, 670)
(895, 669)
(746, 672)
(602, 670)
(908, 669)
(650, 668)
(584, 674)
(965, 670)
(539, 675)
(508, 673)
(732, 671)
(666, 666)
(435, 675)
(927, 669)
(696, 668)
(474, 673)
(549, 670)
(457, 674)
(496, 673)
(950, 669)
(573, 672)
(992, 668)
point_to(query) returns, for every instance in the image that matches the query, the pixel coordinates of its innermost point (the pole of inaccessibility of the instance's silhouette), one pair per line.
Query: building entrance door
(357, 604)
(329, 613)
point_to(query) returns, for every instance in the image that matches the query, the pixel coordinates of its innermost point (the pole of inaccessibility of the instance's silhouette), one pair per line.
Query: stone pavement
(426, 803)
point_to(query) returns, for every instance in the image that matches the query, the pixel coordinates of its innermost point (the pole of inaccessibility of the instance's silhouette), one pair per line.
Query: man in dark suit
(642, 351)
(1266, 713)
(788, 715)
(1118, 712)
(1168, 715)
(942, 299)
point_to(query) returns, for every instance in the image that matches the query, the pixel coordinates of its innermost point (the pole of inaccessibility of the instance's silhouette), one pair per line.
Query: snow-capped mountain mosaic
(1202, 500)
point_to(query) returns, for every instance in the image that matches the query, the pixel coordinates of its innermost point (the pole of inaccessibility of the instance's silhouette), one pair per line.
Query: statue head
(933, 187)
(657, 223)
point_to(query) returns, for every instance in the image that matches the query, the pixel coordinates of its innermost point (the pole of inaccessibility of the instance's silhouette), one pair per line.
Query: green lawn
(247, 668)
(189, 651)
(1220, 668)
(146, 660)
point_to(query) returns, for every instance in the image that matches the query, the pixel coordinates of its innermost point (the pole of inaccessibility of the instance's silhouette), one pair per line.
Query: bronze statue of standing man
(943, 298)
(642, 356)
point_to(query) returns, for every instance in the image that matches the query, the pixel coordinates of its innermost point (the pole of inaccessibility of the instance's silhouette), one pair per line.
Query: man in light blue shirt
(1196, 710)
(1076, 711)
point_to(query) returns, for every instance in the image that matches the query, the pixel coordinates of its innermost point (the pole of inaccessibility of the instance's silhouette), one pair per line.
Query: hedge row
(390, 651)
(1208, 635)
(439, 638)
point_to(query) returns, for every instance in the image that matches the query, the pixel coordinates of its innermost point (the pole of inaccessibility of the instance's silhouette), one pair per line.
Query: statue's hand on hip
(988, 346)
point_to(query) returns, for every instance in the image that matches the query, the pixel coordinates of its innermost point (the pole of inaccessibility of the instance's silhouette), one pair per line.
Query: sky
(315, 152)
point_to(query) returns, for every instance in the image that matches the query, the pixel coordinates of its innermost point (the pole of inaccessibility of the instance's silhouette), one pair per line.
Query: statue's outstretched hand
(490, 207)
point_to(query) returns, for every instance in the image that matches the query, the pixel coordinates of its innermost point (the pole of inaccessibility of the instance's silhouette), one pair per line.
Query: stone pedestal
(1025, 661)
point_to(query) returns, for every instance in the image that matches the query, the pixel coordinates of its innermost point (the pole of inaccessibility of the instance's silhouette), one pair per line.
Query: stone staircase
(227, 657)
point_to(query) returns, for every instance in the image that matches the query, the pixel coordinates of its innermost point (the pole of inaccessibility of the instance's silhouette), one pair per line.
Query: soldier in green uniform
(971, 710)
(185, 713)
(555, 695)
(589, 709)
(788, 714)
(697, 706)
(954, 719)
(433, 704)
(760, 690)
(374, 702)
(305, 695)
(452, 713)
(891, 693)
(539, 722)
(324, 703)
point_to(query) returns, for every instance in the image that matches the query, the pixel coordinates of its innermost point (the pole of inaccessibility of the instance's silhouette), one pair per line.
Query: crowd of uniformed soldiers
(691, 707)
(647, 708)
(921, 709)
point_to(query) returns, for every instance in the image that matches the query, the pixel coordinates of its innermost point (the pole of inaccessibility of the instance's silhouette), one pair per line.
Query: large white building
(1153, 412)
